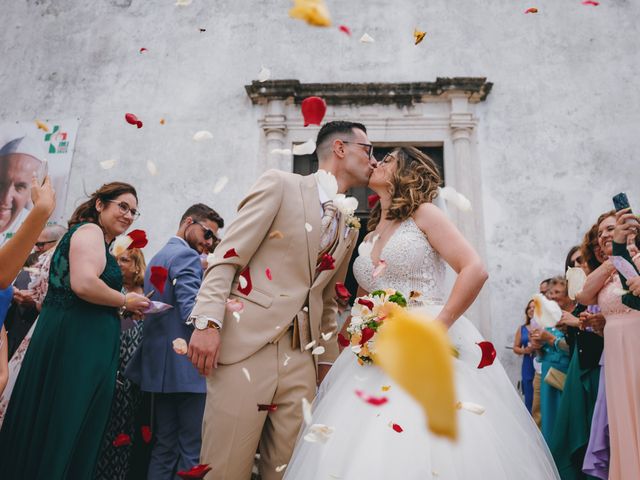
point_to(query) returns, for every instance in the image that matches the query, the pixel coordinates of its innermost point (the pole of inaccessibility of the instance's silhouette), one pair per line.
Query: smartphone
(43, 171)
(620, 201)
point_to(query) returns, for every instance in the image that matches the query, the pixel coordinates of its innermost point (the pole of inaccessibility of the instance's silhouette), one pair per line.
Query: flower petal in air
(372, 200)
(108, 164)
(199, 471)
(120, 244)
(343, 341)
(531, 10)
(146, 433)
(180, 346)
(488, 354)
(42, 126)
(143, 50)
(286, 360)
(418, 36)
(121, 440)
(396, 427)
(230, 253)
(327, 182)
(342, 292)
(245, 285)
(380, 268)
(313, 110)
(139, 239)
(345, 29)
(263, 407)
(318, 350)
(452, 196)
(471, 407)
(234, 305)
(365, 248)
(159, 277)
(310, 345)
(151, 167)
(366, 38)
(281, 151)
(326, 336)
(306, 148)
(267, 272)
(319, 433)
(264, 74)
(202, 135)
(371, 400)
(132, 119)
(183, 3)
(546, 313)
(306, 411)
(575, 280)
(280, 468)
(220, 184)
(591, 3)
(246, 374)
(314, 12)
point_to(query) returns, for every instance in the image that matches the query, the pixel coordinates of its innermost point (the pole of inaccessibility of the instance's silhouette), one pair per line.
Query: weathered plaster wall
(557, 136)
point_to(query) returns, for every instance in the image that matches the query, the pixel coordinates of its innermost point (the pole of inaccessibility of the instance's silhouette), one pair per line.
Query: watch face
(201, 323)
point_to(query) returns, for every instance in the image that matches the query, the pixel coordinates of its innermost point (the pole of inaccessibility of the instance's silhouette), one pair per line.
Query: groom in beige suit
(276, 259)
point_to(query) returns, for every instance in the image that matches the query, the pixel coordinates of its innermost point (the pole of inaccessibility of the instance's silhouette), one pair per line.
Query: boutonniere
(327, 262)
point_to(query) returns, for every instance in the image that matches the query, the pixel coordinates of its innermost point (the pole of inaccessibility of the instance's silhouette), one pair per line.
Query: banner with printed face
(28, 149)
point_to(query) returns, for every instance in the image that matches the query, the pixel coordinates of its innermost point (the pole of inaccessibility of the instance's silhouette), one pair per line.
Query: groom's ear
(339, 148)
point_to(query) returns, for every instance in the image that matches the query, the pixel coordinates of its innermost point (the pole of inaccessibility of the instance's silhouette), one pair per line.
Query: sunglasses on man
(42, 244)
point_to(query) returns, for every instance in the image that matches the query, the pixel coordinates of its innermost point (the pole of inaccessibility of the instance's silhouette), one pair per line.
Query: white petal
(306, 411)
(319, 433)
(246, 373)
(286, 359)
(220, 184)
(211, 258)
(366, 38)
(310, 345)
(471, 407)
(183, 3)
(365, 248)
(306, 148)
(308, 227)
(108, 164)
(619, 291)
(318, 350)
(326, 336)
(280, 468)
(236, 315)
(328, 183)
(153, 170)
(575, 280)
(546, 312)
(281, 151)
(202, 135)
(452, 196)
(242, 282)
(264, 74)
(120, 245)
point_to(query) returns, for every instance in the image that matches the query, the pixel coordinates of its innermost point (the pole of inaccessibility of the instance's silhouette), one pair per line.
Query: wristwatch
(200, 322)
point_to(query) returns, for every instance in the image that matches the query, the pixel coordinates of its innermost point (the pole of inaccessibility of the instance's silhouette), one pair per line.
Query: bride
(415, 239)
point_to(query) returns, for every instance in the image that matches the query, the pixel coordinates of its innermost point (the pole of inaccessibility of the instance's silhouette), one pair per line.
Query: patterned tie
(328, 224)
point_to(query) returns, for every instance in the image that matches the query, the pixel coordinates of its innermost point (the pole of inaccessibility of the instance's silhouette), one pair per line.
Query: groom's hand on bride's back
(204, 348)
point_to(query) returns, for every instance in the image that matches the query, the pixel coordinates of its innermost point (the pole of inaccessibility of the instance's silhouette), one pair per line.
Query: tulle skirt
(502, 443)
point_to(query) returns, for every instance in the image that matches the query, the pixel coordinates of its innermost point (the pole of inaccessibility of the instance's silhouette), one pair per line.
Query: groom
(280, 258)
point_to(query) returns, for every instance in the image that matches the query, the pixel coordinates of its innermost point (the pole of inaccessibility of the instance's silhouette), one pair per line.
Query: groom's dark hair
(339, 126)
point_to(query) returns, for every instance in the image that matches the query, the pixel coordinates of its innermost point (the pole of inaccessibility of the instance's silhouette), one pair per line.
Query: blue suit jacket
(154, 365)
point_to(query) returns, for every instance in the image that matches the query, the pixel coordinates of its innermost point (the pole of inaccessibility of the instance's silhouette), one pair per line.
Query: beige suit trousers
(233, 428)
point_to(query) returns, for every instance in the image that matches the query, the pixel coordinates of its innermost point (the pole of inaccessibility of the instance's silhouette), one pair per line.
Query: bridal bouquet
(367, 315)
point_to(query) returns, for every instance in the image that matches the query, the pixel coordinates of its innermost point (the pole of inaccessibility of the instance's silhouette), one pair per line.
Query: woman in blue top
(522, 346)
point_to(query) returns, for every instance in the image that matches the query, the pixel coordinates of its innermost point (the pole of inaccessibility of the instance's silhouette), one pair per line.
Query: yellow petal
(42, 126)
(418, 36)
(314, 12)
(121, 244)
(415, 352)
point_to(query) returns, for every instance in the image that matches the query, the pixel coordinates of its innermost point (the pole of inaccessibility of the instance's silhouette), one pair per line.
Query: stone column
(274, 125)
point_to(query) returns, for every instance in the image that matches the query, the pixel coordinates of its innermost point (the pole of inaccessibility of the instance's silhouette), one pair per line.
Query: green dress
(61, 401)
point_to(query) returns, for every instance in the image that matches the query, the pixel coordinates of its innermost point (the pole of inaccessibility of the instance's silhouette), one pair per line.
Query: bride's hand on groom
(204, 348)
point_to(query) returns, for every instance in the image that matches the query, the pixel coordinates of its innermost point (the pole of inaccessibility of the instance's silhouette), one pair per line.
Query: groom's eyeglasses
(208, 233)
(368, 147)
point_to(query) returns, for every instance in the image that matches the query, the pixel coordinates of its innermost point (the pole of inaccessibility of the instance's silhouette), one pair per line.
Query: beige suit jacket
(285, 202)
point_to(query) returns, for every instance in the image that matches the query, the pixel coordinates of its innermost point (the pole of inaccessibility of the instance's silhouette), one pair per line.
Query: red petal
(345, 29)
(488, 354)
(367, 334)
(230, 253)
(373, 199)
(145, 430)
(159, 277)
(366, 303)
(269, 408)
(590, 2)
(139, 238)
(121, 440)
(342, 340)
(199, 471)
(132, 120)
(313, 110)
(376, 401)
(247, 276)
(397, 428)
(342, 292)
(327, 262)
(142, 50)
(531, 10)
(268, 273)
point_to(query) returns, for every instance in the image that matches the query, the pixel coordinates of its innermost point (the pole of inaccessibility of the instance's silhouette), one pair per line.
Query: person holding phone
(621, 340)
(62, 397)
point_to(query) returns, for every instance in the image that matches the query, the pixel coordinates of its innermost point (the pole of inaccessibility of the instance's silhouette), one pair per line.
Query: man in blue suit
(179, 390)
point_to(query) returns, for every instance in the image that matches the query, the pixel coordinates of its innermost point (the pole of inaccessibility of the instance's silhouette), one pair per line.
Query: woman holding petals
(417, 240)
(522, 346)
(621, 340)
(62, 397)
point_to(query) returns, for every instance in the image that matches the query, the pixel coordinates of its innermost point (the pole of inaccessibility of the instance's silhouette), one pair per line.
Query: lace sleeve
(40, 282)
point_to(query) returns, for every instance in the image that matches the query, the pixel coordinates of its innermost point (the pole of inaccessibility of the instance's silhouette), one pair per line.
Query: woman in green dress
(62, 397)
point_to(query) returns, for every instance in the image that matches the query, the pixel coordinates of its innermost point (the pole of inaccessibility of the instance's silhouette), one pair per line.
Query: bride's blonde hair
(414, 182)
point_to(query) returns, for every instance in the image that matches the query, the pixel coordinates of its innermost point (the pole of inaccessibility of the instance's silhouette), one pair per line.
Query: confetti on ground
(326, 336)
(180, 346)
(313, 110)
(267, 272)
(308, 227)
(314, 12)
(380, 268)
(286, 359)
(418, 36)
(151, 167)
(264, 74)
(318, 350)
(306, 148)
(42, 126)
(132, 119)
(280, 468)
(220, 184)
(246, 374)
(202, 135)
(108, 164)
(310, 345)
(366, 38)
(345, 29)
(531, 10)
(276, 234)
(488, 354)
(370, 399)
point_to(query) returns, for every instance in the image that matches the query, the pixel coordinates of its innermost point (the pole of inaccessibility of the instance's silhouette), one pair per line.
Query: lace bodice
(412, 264)
(609, 299)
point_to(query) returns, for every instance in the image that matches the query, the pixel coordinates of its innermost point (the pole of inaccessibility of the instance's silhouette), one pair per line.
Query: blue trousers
(178, 433)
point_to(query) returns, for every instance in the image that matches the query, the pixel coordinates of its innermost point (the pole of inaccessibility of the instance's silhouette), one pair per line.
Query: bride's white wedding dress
(502, 443)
